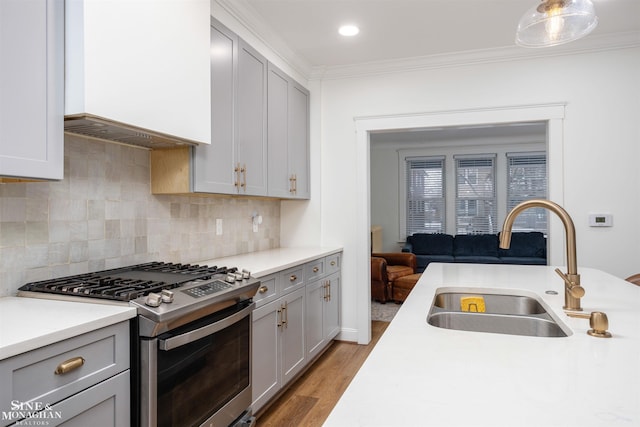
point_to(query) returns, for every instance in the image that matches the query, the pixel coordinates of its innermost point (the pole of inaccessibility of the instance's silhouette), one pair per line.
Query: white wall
(599, 152)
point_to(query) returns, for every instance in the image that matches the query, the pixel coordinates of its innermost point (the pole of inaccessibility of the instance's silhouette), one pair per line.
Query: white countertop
(267, 262)
(30, 323)
(421, 375)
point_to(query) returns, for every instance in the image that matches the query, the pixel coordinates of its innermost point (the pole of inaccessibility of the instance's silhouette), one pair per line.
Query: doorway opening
(369, 129)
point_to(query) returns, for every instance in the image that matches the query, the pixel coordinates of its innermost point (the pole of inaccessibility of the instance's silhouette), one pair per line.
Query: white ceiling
(394, 29)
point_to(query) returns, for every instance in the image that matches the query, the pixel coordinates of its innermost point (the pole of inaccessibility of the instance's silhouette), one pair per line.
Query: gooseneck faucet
(572, 289)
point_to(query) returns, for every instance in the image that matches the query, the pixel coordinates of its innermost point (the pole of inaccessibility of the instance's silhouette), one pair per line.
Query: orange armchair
(387, 267)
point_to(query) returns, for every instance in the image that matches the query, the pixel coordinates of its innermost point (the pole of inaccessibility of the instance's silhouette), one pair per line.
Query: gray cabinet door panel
(251, 136)
(31, 89)
(213, 165)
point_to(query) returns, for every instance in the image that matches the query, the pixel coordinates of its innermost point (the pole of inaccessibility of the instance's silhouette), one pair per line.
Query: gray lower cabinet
(297, 315)
(323, 303)
(278, 345)
(72, 382)
(31, 89)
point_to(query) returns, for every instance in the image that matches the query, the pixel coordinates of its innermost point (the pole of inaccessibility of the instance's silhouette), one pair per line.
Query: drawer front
(333, 263)
(315, 269)
(32, 377)
(267, 290)
(290, 280)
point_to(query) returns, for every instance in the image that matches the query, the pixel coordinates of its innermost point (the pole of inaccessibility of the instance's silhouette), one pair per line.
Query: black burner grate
(127, 283)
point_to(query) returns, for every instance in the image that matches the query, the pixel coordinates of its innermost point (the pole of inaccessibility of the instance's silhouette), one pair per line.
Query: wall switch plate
(600, 220)
(218, 227)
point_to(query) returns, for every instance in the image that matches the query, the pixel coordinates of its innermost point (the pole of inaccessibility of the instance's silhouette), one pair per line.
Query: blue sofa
(526, 248)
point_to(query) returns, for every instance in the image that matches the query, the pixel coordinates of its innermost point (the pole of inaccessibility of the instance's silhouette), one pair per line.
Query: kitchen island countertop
(30, 323)
(421, 375)
(263, 263)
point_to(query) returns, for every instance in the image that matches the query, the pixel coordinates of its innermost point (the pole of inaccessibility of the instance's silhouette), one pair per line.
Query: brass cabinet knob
(293, 278)
(263, 289)
(599, 324)
(316, 269)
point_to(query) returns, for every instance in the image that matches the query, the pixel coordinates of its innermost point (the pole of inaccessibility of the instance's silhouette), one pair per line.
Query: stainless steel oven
(191, 340)
(200, 373)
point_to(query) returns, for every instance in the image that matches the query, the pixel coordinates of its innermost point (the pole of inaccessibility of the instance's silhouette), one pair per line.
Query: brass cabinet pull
(293, 278)
(244, 177)
(280, 317)
(263, 289)
(292, 184)
(237, 172)
(333, 263)
(69, 365)
(315, 269)
(286, 315)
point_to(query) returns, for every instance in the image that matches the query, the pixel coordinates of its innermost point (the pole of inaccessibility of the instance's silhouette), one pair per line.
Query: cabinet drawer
(314, 269)
(267, 290)
(291, 279)
(333, 263)
(31, 377)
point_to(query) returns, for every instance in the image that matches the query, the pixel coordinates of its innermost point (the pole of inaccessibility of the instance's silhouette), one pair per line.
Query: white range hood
(137, 71)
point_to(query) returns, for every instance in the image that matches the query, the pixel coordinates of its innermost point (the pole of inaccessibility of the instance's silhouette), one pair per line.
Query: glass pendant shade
(555, 22)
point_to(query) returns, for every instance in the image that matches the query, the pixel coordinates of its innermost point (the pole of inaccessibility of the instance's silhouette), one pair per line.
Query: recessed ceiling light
(348, 30)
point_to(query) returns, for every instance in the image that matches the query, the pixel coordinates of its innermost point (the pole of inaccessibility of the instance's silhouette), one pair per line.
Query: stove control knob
(231, 278)
(153, 300)
(238, 277)
(246, 274)
(167, 296)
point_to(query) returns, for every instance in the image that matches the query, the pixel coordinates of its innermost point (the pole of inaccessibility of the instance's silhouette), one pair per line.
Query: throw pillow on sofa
(484, 245)
(431, 244)
(526, 244)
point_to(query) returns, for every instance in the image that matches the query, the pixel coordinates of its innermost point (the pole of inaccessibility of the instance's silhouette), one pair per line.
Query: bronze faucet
(572, 289)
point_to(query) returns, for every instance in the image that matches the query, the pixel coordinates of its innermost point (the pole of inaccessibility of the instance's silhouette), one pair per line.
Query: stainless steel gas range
(191, 341)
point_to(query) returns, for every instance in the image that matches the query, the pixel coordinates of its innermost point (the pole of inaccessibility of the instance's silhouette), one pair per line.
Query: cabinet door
(331, 313)
(278, 132)
(315, 306)
(105, 404)
(265, 375)
(213, 165)
(299, 140)
(293, 349)
(31, 89)
(251, 120)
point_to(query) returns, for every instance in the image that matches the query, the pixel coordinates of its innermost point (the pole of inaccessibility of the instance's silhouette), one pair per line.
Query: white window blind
(425, 195)
(476, 207)
(527, 179)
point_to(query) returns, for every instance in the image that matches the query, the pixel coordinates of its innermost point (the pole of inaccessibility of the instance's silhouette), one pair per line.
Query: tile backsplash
(102, 215)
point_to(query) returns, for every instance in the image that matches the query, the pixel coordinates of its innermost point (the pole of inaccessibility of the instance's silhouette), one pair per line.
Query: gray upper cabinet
(288, 135)
(31, 89)
(251, 119)
(236, 160)
(259, 131)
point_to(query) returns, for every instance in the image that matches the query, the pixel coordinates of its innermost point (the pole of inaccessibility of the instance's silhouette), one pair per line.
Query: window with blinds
(476, 207)
(527, 179)
(425, 195)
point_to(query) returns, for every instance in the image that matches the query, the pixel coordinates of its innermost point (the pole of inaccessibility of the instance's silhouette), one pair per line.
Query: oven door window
(196, 379)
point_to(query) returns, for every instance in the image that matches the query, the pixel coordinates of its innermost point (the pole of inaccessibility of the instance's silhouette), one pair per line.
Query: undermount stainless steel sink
(497, 312)
(494, 303)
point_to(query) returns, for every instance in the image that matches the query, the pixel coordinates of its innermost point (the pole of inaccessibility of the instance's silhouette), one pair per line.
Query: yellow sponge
(474, 304)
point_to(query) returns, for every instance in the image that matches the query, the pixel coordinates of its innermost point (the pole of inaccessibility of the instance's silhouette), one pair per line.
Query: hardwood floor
(310, 399)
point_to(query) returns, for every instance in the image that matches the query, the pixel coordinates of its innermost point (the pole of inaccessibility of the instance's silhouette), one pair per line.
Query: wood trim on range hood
(97, 127)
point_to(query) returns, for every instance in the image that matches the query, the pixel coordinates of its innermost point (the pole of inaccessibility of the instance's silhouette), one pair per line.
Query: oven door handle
(196, 334)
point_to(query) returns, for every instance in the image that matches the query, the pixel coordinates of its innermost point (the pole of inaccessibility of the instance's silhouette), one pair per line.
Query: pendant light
(555, 22)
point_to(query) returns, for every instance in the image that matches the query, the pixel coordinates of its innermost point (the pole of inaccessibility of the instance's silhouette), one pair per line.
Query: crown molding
(253, 23)
(484, 56)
